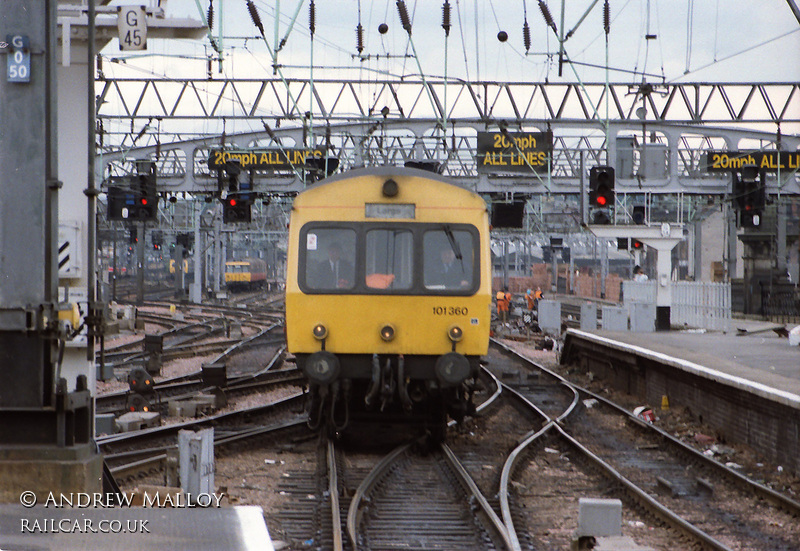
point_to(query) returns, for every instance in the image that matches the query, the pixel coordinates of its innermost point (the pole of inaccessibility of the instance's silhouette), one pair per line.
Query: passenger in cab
(335, 272)
(449, 271)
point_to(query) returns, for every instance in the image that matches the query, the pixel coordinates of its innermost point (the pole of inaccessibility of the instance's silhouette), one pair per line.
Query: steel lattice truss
(347, 101)
(389, 122)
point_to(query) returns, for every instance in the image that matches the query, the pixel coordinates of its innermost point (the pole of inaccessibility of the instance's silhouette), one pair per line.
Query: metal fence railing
(702, 305)
(694, 304)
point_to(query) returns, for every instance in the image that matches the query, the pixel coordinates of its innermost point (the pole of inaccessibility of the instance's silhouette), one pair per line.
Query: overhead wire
(660, 42)
(689, 23)
(463, 40)
(740, 52)
(716, 27)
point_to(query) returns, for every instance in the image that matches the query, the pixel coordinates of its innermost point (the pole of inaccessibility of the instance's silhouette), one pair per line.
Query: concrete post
(39, 450)
(196, 290)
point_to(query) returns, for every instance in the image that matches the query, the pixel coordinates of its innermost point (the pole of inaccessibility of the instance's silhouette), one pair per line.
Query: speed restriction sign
(132, 27)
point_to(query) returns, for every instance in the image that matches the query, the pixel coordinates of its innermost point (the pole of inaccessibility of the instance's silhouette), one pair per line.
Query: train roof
(417, 194)
(386, 171)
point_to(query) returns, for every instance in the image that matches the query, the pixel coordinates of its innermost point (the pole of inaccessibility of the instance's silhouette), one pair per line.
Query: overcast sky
(705, 41)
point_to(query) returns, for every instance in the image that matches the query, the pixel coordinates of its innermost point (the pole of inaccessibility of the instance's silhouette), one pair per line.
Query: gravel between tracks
(255, 477)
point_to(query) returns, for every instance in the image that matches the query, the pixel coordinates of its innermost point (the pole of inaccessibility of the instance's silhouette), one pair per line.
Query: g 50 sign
(18, 64)
(132, 27)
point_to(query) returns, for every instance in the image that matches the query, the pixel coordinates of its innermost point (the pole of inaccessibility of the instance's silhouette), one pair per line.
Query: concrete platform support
(44, 469)
(155, 527)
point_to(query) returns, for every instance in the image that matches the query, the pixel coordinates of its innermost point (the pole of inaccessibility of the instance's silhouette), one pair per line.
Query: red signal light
(144, 200)
(232, 202)
(601, 200)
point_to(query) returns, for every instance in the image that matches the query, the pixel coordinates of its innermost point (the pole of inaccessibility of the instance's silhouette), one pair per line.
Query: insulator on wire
(210, 14)
(606, 17)
(404, 19)
(526, 35)
(547, 16)
(360, 38)
(446, 18)
(214, 44)
(255, 17)
(312, 17)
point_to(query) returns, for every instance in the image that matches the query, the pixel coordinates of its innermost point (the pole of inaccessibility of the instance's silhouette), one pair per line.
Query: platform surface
(180, 529)
(763, 358)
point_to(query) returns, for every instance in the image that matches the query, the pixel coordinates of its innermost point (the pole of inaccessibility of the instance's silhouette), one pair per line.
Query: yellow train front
(388, 296)
(250, 273)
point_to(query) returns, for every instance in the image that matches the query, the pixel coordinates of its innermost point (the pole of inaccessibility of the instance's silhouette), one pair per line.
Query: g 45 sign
(132, 27)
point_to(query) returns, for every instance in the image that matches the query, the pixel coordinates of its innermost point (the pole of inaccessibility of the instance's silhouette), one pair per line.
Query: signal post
(662, 238)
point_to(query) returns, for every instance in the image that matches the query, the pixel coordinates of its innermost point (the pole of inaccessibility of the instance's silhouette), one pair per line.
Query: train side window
(389, 259)
(449, 257)
(330, 258)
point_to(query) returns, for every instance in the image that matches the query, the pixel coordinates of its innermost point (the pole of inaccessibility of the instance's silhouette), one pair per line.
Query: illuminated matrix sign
(769, 161)
(519, 152)
(263, 159)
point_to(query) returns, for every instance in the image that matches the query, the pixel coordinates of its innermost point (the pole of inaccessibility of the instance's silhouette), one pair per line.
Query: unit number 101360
(450, 311)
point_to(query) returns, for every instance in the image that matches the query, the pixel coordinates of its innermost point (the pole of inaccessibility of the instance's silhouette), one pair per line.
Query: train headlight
(387, 332)
(390, 188)
(452, 369)
(455, 333)
(322, 367)
(320, 331)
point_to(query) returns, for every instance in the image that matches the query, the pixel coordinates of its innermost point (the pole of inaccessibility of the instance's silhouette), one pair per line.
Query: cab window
(389, 259)
(330, 258)
(449, 259)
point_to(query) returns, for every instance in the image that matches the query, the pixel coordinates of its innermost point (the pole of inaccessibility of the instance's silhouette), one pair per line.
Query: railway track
(230, 351)
(703, 501)
(513, 491)
(186, 386)
(135, 453)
